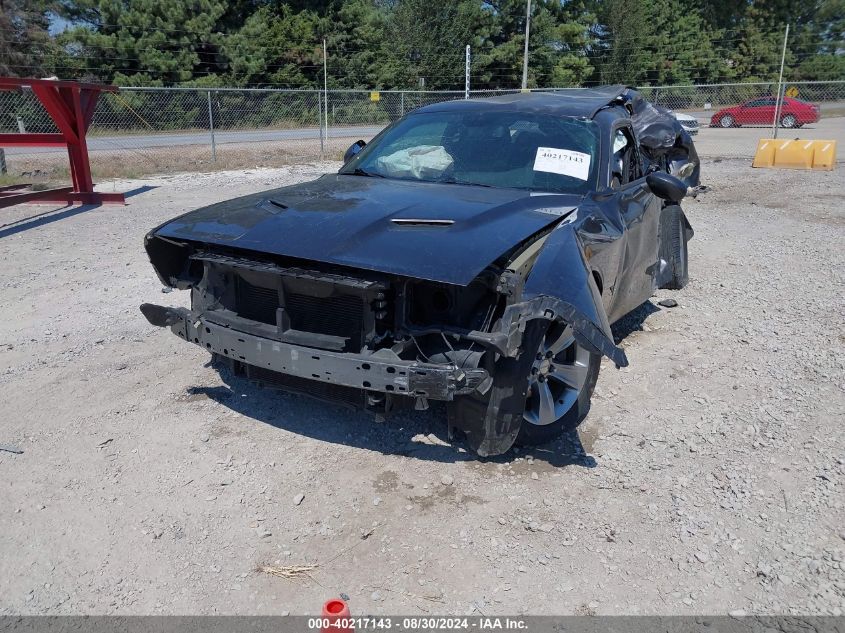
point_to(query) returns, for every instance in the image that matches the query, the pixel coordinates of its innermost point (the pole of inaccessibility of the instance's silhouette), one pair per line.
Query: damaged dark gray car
(475, 252)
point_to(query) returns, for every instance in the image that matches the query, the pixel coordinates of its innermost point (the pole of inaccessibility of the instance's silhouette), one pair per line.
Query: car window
(767, 101)
(513, 149)
(625, 165)
(428, 133)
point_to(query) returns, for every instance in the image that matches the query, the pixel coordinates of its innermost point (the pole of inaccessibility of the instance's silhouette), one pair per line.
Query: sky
(58, 24)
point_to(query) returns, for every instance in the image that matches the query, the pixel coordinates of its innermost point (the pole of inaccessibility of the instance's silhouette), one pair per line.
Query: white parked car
(688, 122)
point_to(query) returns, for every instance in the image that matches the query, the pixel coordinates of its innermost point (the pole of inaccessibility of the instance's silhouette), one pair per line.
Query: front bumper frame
(381, 371)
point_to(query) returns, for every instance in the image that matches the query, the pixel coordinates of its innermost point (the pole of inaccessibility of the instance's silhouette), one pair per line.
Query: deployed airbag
(425, 162)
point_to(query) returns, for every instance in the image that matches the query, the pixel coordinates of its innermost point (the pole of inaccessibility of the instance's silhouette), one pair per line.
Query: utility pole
(466, 73)
(779, 96)
(320, 120)
(525, 54)
(211, 128)
(326, 89)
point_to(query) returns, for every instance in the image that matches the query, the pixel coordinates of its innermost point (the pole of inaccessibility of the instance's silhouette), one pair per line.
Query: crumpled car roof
(577, 102)
(655, 126)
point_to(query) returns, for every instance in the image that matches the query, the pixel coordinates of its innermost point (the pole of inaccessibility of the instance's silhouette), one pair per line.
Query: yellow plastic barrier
(824, 155)
(765, 154)
(795, 154)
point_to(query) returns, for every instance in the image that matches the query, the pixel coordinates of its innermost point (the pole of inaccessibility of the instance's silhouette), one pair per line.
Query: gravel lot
(708, 477)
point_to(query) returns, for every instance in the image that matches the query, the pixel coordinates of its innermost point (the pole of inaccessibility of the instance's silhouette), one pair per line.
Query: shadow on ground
(56, 214)
(633, 321)
(415, 434)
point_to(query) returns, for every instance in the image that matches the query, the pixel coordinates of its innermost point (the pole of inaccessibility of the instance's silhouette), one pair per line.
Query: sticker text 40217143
(563, 161)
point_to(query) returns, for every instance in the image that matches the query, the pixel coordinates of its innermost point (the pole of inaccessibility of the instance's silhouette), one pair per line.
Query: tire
(495, 421)
(673, 246)
(727, 121)
(572, 407)
(789, 121)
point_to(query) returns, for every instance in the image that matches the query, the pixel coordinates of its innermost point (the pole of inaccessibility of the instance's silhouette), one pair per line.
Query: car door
(639, 211)
(758, 112)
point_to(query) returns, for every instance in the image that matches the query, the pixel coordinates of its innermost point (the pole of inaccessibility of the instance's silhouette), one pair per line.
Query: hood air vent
(421, 222)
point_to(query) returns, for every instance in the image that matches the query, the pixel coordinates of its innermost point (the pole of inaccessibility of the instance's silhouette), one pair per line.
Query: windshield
(520, 150)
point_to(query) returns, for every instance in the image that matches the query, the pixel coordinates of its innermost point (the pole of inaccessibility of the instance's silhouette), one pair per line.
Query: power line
(738, 32)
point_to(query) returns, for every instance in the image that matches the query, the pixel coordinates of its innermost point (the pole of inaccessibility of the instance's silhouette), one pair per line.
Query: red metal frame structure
(71, 106)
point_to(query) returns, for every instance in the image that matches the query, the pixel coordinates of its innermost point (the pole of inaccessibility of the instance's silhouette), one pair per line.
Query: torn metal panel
(572, 297)
(664, 141)
(382, 371)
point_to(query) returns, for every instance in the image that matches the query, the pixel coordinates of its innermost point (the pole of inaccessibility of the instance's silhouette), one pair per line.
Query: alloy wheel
(558, 375)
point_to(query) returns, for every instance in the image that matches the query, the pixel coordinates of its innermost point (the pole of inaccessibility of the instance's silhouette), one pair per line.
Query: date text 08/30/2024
(417, 623)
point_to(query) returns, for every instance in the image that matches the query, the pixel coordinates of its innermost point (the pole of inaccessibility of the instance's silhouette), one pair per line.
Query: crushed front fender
(561, 286)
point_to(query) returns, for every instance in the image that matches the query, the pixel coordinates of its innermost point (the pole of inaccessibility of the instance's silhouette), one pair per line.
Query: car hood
(440, 232)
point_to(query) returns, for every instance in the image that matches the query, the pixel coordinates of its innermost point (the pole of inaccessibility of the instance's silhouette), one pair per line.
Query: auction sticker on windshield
(563, 161)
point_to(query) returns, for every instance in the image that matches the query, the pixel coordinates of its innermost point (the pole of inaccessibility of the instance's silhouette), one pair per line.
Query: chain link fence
(141, 131)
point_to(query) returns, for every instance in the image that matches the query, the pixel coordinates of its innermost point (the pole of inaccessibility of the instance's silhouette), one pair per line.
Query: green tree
(757, 54)
(818, 47)
(26, 48)
(557, 46)
(650, 42)
(427, 41)
(565, 45)
(397, 43)
(681, 45)
(624, 38)
(359, 45)
(145, 41)
(280, 48)
(759, 37)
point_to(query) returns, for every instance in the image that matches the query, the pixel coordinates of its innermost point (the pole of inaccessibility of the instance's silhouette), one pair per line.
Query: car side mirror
(356, 147)
(666, 186)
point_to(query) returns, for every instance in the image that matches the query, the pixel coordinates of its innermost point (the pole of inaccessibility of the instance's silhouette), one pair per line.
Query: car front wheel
(560, 384)
(727, 121)
(533, 398)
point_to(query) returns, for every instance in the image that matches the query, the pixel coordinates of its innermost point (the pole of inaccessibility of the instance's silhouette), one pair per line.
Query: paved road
(138, 141)
(704, 116)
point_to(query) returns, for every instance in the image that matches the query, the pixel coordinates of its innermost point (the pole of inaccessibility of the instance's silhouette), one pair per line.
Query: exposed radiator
(329, 305)
(340, 315)
(257, 303)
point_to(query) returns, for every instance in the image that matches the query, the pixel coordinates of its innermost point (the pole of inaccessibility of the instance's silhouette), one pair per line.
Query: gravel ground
(708, 477)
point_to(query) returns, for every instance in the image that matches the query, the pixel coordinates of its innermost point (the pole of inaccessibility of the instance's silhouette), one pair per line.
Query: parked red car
(761, 111)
